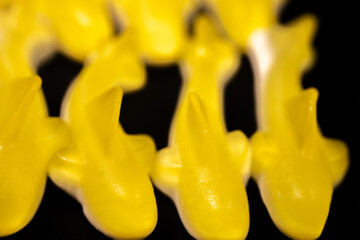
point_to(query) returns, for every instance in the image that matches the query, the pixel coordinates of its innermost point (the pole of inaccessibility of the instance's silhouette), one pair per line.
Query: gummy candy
(204, 170)
(105, 169)
(294, 165)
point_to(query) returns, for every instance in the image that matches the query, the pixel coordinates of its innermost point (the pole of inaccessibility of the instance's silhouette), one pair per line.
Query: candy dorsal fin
(196, 141)
(302, 117)
(103, 113)
(15, 99)
(192, 123)
(197, 119)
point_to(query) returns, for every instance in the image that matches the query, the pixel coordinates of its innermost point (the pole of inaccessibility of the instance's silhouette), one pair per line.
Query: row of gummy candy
(204, 169)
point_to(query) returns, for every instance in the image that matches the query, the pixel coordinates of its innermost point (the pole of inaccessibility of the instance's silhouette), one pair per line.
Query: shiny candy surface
(27, 142)
(28, 138)
(204, 170)
(105, 169)
(295, 166)
(27, 37)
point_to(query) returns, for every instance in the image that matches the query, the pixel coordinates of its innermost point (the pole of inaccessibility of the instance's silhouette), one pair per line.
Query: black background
(150, 111)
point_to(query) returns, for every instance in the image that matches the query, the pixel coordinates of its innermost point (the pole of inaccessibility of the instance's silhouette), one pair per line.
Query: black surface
(150, 111)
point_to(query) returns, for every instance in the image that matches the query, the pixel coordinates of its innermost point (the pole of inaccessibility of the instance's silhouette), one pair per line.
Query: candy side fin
(166, 169)
(338, 156)
(264, 152)
(241, 153)
(65, 170)
(144, 148)
(55, 133)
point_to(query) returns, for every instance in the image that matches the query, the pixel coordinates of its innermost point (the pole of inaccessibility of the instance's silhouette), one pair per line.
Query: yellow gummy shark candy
(294, 165)
(80, 25)
(27, 141)
(27, 136)
(159, 25)
(204, 170)
(77, 26)
(105, 169)
(29, 34)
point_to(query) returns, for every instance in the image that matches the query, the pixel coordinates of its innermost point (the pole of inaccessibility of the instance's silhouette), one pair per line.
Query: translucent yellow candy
(27, 137)
(105, 169)
(33, 29)
(80, 25)
(25, 39)
(241, 18)
(293, 164)
(160, 26)
(18, 37)
(27, 141)
(204, 169)
(24, 42)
